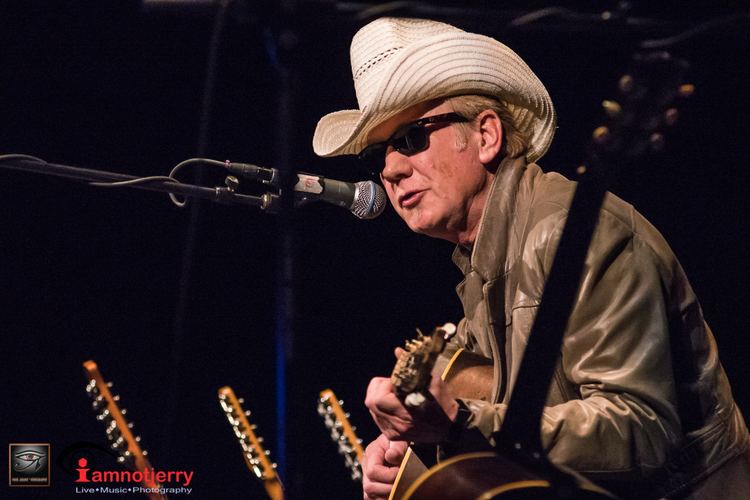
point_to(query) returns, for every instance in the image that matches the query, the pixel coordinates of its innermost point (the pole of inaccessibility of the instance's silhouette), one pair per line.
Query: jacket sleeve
(616, 353)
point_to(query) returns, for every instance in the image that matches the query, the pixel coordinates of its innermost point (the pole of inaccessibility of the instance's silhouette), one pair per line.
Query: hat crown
(399, 62)
(374, 46)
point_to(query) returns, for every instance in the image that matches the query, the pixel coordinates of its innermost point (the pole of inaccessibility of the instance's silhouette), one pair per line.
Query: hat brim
(449, 64)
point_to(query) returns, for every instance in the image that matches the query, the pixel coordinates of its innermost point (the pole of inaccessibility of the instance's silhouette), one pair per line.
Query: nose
(397, 166)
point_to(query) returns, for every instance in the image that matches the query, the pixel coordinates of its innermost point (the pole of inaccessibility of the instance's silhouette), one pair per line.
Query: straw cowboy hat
(399, 62)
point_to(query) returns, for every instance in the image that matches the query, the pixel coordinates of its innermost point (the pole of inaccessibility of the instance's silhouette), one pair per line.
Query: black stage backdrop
(91, 273)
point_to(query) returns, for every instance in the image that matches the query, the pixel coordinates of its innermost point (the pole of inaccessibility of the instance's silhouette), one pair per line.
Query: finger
(382, 473)
(378, 476)
(394, 455)
(374, 490)
(378, 388)
(398, 352)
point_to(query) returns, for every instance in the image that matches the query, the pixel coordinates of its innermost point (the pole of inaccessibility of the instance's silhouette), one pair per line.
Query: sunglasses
(410, 139)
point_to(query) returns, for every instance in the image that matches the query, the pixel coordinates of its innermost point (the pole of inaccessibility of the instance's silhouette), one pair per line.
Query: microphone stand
(268, 202)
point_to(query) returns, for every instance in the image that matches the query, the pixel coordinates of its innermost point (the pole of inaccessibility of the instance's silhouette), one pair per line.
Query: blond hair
(515, 143)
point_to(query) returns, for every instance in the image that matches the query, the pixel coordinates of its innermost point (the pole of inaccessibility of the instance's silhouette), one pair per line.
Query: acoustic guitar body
(486, 475)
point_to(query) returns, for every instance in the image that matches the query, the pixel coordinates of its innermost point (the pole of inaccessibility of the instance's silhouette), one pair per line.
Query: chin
(425, 227)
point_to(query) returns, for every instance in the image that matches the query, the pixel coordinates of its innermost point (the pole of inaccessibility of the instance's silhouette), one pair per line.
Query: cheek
(391, 195)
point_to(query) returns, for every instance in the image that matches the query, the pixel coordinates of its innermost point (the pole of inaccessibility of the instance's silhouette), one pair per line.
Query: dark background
(90, 273)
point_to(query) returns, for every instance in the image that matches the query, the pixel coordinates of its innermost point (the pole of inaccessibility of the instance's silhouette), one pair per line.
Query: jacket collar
(490, 251)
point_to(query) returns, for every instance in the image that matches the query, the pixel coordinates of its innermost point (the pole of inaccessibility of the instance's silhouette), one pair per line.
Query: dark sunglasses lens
(411, 140)
(373, 157)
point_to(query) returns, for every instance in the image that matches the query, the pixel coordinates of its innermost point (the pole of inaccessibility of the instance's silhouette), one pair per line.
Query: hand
(380, 467)
(428, 423)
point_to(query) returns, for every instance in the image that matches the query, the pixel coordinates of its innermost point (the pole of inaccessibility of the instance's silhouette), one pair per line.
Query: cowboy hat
(399, 62)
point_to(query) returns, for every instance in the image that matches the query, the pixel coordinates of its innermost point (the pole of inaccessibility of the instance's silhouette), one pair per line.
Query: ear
(490, 136)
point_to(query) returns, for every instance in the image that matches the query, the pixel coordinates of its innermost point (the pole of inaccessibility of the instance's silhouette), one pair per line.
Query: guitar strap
(517, 437)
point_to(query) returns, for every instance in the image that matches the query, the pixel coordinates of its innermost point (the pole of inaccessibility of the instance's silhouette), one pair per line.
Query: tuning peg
(686, 90)
(138, 439)
(91, 387)
(145, 453)
(97, 402)
(671, 116)
(656, 141)
(601, 135)
(626, 84)
(130, 425)
(247, 413)
(260, 439)
(103, 415)
(274, 465)
(110, 384)
(124, 411)
(241, 401)
(612, 108)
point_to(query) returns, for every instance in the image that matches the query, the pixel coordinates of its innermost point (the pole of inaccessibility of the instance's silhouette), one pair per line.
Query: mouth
(410, 198)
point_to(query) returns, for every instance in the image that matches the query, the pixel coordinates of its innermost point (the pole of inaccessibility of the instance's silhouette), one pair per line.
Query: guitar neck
(342, 431)
(119, 430)
(255, 456)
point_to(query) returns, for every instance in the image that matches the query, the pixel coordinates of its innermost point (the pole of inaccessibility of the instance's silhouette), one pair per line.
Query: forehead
(385, 129)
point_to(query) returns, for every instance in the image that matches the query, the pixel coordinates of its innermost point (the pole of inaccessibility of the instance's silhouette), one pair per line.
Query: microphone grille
(369, 200)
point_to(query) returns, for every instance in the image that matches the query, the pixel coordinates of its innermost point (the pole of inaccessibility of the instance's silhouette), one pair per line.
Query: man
(453, 121)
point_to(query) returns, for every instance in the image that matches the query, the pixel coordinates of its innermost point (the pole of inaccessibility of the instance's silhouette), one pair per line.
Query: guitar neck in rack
(118, 429)
(256, 457)
(342, 431)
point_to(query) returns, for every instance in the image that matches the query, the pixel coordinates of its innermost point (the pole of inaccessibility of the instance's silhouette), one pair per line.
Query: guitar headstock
(118, 429)
(256, 457)
(412, 372)
(342, 431)
(647, 104)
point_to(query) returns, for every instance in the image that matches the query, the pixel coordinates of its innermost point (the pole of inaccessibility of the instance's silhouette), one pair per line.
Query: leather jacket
(639, 402)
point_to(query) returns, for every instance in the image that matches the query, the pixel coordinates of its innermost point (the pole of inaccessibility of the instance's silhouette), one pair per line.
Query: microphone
(365, 199)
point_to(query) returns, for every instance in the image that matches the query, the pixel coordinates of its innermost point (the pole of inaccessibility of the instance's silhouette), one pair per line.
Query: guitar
(253, 453)
(118, 429)
(471, 475)
(520, 469)
(342, 431)
(410, 379)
